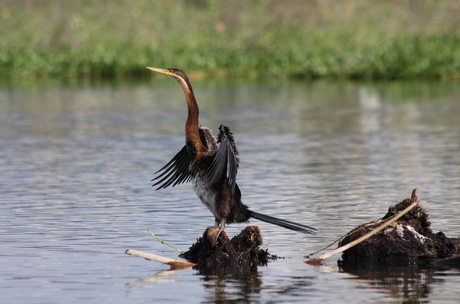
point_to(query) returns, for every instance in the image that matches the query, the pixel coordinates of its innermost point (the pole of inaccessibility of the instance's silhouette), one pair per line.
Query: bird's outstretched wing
(175, 172)
(225, 162)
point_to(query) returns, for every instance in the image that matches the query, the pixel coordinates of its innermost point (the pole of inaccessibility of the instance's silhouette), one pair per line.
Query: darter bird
(211, 164)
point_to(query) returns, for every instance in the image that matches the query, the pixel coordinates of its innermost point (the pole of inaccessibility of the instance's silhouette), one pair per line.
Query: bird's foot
(213, 233)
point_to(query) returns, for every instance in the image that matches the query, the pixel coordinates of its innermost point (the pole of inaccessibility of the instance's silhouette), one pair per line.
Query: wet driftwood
(241, 250)
(409, 240)
(161, 259)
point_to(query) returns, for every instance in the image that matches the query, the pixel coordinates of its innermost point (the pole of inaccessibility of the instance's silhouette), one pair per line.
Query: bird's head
(171, 72)
(179, 75)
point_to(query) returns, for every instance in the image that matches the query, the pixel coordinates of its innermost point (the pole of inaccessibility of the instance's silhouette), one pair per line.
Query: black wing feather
(225, 162)
(175, 171)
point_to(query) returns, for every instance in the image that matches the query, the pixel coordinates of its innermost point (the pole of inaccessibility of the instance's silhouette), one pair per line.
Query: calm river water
(76, 162)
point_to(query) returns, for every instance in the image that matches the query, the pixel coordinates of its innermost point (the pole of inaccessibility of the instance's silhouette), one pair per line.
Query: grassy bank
(210, 38)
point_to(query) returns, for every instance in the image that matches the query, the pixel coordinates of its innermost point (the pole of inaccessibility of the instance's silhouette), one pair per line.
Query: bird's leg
(222, 224)
(214, 232)
(221, 228)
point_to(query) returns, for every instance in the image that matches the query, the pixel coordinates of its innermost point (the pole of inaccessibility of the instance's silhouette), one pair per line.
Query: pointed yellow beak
(162, 71)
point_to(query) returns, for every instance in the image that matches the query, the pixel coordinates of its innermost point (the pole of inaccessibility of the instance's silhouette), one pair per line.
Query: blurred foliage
(209, 38)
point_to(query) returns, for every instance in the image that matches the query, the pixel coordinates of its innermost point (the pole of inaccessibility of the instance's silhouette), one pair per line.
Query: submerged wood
(408, 241)
(241, 250)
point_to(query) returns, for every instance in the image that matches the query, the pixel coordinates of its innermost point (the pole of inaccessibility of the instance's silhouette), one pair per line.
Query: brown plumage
(212, 167)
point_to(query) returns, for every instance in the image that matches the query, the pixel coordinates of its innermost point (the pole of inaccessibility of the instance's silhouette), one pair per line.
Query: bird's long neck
(192, 134)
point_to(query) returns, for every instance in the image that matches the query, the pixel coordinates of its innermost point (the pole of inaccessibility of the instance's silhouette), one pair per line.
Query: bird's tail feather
(283, 223)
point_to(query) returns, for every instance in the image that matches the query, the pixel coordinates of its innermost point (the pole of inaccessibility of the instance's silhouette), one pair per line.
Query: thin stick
(318, 260)
(338, 240)
(164, 242)
(159, 258)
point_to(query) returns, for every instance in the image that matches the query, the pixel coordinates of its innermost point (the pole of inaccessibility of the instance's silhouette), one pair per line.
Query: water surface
(76, 162)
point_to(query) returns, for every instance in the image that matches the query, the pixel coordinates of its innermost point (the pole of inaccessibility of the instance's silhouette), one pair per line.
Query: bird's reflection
(230, 284)
(223, 284)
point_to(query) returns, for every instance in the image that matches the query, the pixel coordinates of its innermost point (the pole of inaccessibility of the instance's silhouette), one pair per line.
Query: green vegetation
(382, 39)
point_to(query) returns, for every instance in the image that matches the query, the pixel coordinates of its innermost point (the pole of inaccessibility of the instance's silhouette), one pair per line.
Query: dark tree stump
(409, 240)
(243, 249)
